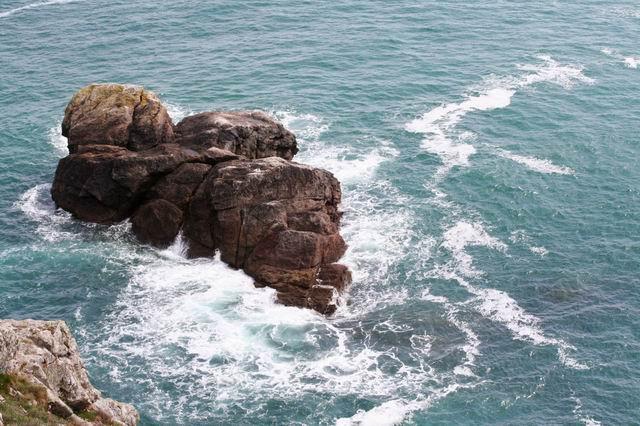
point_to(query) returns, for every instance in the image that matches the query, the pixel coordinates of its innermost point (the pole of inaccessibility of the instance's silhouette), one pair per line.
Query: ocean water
(488, 153)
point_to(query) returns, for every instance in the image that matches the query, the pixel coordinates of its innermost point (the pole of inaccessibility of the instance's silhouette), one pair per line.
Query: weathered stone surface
(252, 134)
(179, 186)
(104, 185)
(275, 219)
(226, 182)
(45, 354)
(118, 115)
(157, 222)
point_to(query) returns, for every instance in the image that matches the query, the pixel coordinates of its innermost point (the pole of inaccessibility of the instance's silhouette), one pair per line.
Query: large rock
(276, 219)
(45, 354)
(104, 184)
(118, 115)
(252, 134)
(226, 183)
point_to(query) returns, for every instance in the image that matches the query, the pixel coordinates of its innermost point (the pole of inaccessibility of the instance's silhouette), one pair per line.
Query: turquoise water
(489, 161)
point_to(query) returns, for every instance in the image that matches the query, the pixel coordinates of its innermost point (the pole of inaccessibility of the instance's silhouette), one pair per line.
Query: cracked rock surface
(223, 179)
(45, 354)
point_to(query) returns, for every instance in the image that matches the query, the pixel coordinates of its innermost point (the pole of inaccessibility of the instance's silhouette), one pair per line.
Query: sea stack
(225, 180)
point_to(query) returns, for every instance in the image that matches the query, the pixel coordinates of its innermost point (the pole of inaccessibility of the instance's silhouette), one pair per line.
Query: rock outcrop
(252, 134)
(225, 179)
(45, 354)
(117, 115)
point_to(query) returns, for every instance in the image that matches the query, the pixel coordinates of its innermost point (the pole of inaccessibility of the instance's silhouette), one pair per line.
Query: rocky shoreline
(225, 182)
(43, 379)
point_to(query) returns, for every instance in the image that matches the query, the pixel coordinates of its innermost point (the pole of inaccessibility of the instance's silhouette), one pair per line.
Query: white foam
(397, 411)
(57, 141)
(631, 62)
(307, 127)
(539, 250)
(348, 164)
(626, 12)
(464, 234)
(34, 6)
(494, 304)
(577, 411)
(37, 205)
(177, 112)
(553, 72)
(471, 347)
(536, 164)
(438, 125)
(387, 414)
(239, 341)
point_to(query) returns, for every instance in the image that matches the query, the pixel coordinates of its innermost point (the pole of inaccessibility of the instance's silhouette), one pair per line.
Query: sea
(489, 157)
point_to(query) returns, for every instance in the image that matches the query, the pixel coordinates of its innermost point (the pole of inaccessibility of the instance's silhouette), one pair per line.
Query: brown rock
(118, 115)
(104, 185)
(178, 186)
(45, 354)
(335, 275)
(157, 222)
(251, 134)
(225, 181)
(275, 219)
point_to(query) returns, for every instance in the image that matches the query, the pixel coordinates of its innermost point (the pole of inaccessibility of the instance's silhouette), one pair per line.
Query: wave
(632, 62)
(495, 305)
(34, 6)
(536, 164)
(396, 411)
(224, 334)
(438, 125)
(539, 250)
(177, 112)
(629, 61)
(57, 141)
(376, 223)
(36, 204)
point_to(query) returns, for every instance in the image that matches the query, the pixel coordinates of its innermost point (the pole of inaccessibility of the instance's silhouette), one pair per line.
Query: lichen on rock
(40, 363)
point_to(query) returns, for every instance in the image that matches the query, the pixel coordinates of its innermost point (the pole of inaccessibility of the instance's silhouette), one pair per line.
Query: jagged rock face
(103, 184)
(226, 182)
(276, 219)
(45, 354)
(117, 115)
(251, 134)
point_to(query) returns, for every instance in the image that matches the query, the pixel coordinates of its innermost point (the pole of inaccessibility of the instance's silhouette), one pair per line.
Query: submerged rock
(225, 179)
(45, 354)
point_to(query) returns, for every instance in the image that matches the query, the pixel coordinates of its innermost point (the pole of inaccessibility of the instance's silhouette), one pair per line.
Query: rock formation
(225, 179)
(45, 354)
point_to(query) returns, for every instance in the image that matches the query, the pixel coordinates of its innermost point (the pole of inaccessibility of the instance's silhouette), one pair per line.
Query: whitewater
(490, 196)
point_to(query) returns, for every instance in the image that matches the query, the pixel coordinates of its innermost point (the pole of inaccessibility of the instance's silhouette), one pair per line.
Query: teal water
(489, 159)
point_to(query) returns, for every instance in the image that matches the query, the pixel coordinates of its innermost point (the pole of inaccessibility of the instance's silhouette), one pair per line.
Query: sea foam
(536, 164)
(57, 141)
(34, 6)
(493, 304)
(439, 124)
